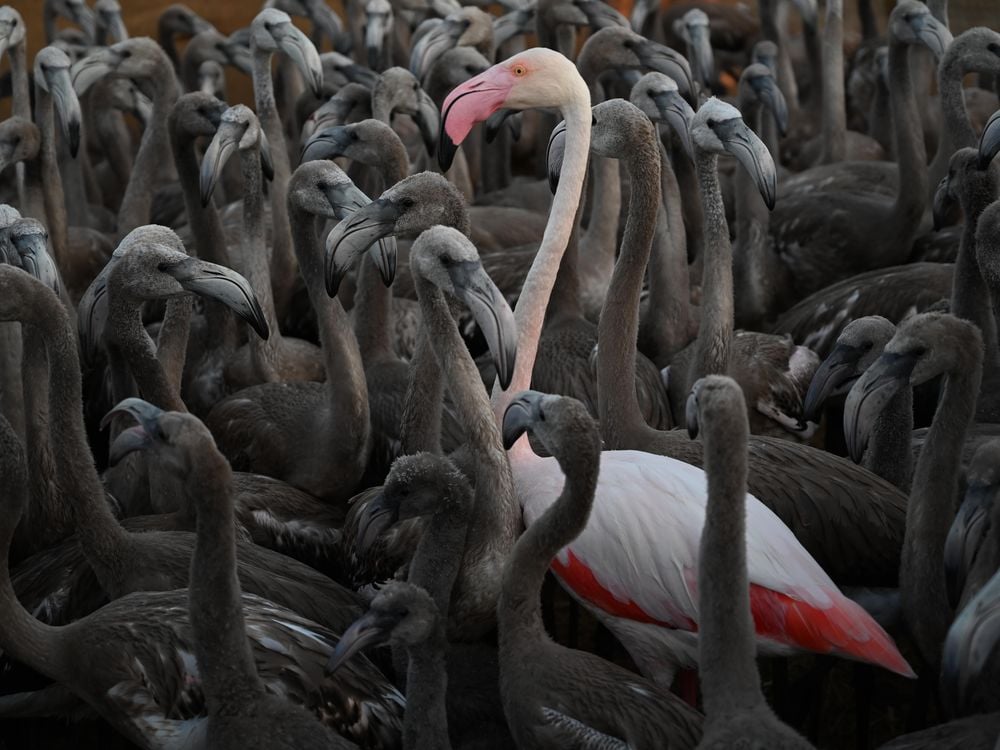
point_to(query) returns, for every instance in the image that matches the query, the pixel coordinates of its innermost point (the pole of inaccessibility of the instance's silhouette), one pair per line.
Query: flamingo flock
(513, 375)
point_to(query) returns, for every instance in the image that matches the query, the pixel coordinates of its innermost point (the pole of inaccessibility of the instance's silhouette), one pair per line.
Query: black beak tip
(445, 151)
(333, 279)
(692, 430)
(74, 139)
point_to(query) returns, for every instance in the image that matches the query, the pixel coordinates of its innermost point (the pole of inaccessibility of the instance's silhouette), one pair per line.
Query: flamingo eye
(519, 70)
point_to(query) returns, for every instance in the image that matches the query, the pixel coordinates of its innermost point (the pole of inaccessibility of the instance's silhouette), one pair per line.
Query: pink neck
(530, 310)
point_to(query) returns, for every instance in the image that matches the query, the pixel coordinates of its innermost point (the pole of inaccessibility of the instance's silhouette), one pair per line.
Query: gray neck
(425, 725)
(834, 108)
(889, 454)
(172, 342)
(726, 645)
(130, 337)
(225, 661)
(50, 177)
(282, 260)
(438, 557)
(909, 144)
(716, 329)
(619, 323)
(932, 507)
(957, 131)
(420, 423)
(148, 171)
(264, 353)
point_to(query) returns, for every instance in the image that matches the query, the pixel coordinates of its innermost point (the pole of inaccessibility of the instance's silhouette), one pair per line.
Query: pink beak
(471, 102)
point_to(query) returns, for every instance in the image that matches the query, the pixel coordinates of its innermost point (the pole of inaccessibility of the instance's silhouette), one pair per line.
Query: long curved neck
(726, 644)
(264, 353)
(716, 330)
(889, 453)
(908, 139)
(148, 171)
(50, 177)
(957, 131)
(619, 324)
(519, 611)
(664, 329)
(970, 294)
(102, 538)
(225, 661)
(496, 515)
(420, 423)
(598, 245)
(931, 508)
(438, 557)
(344, 372)
(834, 107)
(786, 76)
(282, 262)
(131, 338)
(172, 341)
(530, 310)
(22, 637)
(425, 725)
(753, 281)
(206, 227)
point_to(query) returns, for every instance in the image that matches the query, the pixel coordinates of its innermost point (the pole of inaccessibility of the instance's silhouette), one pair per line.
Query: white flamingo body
(636, 563)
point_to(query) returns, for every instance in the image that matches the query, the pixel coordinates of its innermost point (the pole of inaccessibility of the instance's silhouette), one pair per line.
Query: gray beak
(369, 630)
(114, 24)
(223, 285)
(430, 47)
(492, 313)
(375, 30)
(92, 314)
(934, 34)
(30, 240)
(222, 147)
(512, 24)
(943, 202)
(368, 225)
(91, 69)
(664, 60)
(743, 143)
(428, 120)
(327, 144)
(989, 143)
(691, 420)
(380, 516)
(833, 375)
(701, 46)
(677, 113)
(971, 644)
(510, 117)
(68, 106)
(554, 154)
(641, 10)
(965, 537)
(601, 15)
(768, 92)
(84, 18)
(520, 416)
(138, 437)
(883, 380)
(238, 55)
(303, 53)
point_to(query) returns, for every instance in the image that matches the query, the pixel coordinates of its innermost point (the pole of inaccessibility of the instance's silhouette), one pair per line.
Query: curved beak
(238, 55)
(223, 146)
(68, 106)
(266, 160)
(431, 46)
(739, 140)
(663, 59)
(83, 16)
(554, 154)
(469, 103)
(492, 313)
(884, 379)
(376, 27)
(972, 639)
(965, 537)
(701, 48)
(327, 20)
(836, 372)
(303, 53)
(601, 15)
(943, 203)
(138, 437)
(114, 24)
(33, 253)
(989, 142)
(327, 143)
(369, 224)
(428, 120)
(808, 11)
(691, 416)
(510, 117)
(934, 34)
(92, 315)
(520, 416)
(380, 516)
(677, 113)
(86, 72)
(223, 285)
(142, 106)
(369, 630)
(640, 12)
(515, 23)
(767, 90)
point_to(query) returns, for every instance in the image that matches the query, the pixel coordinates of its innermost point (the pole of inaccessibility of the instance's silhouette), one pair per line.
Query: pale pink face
(478, 98)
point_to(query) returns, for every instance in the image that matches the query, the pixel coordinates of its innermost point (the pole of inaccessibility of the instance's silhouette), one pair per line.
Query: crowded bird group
(509, 375)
